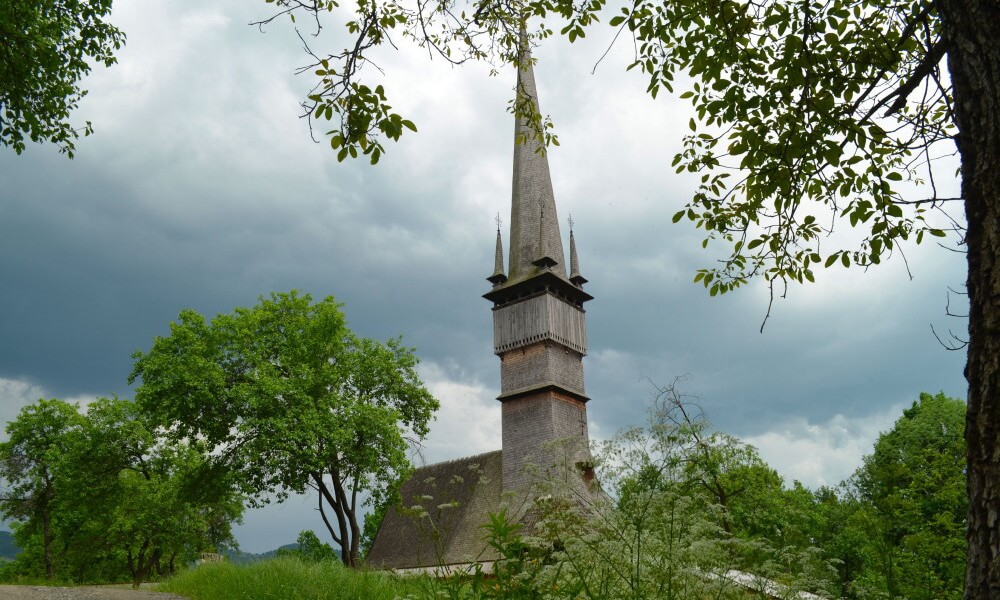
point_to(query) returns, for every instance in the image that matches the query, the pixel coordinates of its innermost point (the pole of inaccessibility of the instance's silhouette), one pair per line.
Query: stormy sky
(201, 189)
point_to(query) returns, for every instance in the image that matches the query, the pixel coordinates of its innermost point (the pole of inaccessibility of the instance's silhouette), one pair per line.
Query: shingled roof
(440, 520)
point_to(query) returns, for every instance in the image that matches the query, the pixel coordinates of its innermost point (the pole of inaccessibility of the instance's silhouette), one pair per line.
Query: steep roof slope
(443, 510)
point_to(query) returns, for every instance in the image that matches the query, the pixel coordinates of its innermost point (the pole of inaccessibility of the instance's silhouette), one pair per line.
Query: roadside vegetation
(284, 578)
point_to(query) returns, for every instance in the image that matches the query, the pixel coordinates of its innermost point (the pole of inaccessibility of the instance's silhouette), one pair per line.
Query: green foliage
(289, 399)
(284, 578)
(516, 574)
(912, 490)
(703, 502)
(156, 511)
(309, 548)
(119, 503)
(48, 47)
(361, 115)
(33, 463)
(790, 96)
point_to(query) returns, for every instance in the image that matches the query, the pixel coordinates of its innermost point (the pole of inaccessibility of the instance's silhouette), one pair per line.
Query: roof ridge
(460, 459)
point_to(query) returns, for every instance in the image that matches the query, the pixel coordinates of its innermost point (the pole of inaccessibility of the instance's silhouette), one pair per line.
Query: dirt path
(33, 592)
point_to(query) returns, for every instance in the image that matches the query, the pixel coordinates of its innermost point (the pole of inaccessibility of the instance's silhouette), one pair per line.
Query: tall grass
(285, 579)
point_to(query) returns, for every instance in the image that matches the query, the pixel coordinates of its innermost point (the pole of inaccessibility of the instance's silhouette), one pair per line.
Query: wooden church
(540, 335)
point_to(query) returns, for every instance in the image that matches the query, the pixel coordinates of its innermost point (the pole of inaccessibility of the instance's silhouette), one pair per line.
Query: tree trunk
(336, 503)
(347, 522)
(50, 571)
(972, 33)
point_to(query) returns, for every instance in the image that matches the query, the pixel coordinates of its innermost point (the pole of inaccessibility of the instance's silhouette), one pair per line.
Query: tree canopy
(99, 497)
(32, 463)
(289, 399)
(46, 48)
(913, 483)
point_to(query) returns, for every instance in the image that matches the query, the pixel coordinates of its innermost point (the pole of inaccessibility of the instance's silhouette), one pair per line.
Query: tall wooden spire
(534, 226)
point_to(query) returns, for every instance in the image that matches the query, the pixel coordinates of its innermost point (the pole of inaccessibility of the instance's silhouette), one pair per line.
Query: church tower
(540, 335)
(539, 325)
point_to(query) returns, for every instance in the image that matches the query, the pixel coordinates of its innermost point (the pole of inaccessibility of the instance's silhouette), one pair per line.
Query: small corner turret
(574, 263)
(498, 277)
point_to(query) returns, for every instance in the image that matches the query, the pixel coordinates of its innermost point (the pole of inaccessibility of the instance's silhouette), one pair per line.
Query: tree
(843, 531)
(46, 48)
(142, 500)
(310, 548)
(289, 399)
(99, 497)
(770, 529)
(823, 110)
(688, 513)
(32, 461)
(913, 484)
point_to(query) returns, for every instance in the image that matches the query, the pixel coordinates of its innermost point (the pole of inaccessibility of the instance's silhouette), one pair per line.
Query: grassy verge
(284, 579)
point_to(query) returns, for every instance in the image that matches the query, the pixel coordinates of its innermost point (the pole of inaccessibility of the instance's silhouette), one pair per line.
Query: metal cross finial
(570, 219)
(499, 221)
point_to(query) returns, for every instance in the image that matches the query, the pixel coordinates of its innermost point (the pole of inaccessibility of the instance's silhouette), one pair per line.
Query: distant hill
(241, 558)
(8, 549)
